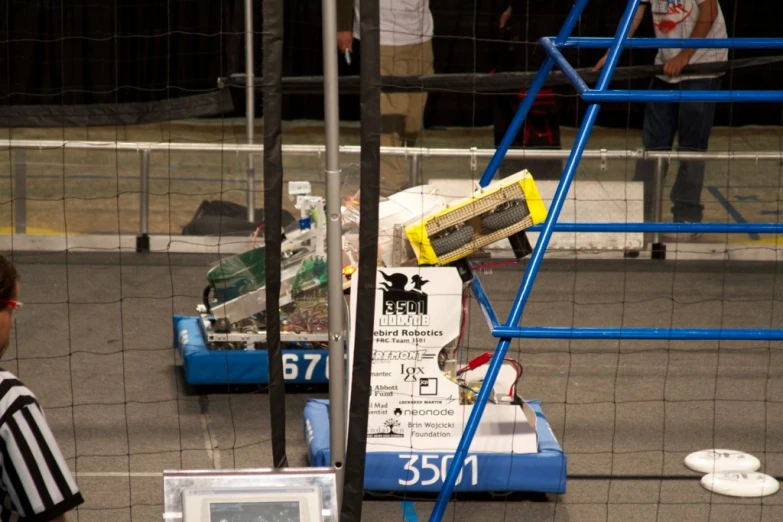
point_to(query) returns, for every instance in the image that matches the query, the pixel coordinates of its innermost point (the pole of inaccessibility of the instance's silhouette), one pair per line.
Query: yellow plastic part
(481, 202)
(35, 231)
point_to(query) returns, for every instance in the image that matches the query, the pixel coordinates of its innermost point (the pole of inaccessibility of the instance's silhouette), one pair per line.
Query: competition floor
(94, 343)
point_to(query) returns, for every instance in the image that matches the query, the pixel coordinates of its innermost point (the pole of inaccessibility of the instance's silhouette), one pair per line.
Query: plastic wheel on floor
(452, 240)
(506, 217)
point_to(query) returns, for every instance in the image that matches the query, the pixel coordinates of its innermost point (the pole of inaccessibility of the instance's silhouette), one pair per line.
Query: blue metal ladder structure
(594, 97)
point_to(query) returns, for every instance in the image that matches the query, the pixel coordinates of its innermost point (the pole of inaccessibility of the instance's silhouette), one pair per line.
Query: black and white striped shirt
(36, 484)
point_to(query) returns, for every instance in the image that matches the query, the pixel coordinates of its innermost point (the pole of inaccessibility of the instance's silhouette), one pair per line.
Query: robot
(416, 227)
(233, 307)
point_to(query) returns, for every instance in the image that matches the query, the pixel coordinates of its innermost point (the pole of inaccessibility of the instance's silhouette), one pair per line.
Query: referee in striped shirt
(35, 482)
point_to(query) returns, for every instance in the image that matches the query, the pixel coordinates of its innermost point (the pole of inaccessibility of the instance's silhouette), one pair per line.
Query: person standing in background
(406, 31)
(522, 24)
(692, 121)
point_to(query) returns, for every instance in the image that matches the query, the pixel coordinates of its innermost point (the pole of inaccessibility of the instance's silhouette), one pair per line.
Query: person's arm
(708, 13)
(505, 17)
(637, 21)
(345, 9)
(35, 471)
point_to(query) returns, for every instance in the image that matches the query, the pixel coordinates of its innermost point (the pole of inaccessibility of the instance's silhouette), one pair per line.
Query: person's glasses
(13, 305)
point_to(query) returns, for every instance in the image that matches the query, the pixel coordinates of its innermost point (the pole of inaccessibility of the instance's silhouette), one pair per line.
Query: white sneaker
(682, 237)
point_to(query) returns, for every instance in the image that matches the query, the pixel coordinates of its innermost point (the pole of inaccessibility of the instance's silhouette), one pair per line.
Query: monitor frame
(197, 501)
(176, 481)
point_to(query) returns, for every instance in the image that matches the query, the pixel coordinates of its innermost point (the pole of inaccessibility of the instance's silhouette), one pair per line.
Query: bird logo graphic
(418, 282)
(394, 281)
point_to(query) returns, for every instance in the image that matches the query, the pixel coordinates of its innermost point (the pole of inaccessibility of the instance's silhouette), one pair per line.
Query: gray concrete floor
(94, 340)
(94, 343)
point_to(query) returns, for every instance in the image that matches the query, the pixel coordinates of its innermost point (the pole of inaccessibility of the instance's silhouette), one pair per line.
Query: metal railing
(146, 149)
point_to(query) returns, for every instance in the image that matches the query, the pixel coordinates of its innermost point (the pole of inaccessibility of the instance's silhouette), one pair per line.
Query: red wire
(484, 359)
(518, 368)
(465, 299)
(494, 265)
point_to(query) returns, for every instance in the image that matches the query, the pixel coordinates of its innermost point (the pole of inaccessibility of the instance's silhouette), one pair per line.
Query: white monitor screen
(243, 504)
(254, 512)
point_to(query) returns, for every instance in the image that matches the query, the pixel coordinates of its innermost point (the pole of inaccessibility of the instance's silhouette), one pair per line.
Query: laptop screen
(286, 511)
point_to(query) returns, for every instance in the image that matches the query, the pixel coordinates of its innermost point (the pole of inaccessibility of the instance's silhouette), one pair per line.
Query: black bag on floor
(224, 218)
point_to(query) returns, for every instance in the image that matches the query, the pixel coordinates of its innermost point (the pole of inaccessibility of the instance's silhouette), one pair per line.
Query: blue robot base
(423, 472)
(206, 366)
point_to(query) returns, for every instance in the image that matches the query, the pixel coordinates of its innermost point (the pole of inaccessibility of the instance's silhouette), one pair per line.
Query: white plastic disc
(740, 484)
(717, 460)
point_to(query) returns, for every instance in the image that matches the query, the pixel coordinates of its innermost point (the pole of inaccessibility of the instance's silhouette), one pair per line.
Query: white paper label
(413, 404)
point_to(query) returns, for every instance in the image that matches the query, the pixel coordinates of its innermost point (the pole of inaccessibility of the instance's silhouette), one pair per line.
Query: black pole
(370, 105)
(273, 216)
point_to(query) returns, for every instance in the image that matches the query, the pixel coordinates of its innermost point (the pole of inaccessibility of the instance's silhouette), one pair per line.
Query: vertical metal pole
(250, 114)
(144, 195)
(580, 143)
(657, 196)
(143, 239)
(414, 179)
(20, 191)
(334, 250)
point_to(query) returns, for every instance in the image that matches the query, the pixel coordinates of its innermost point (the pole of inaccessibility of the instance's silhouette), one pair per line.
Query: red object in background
(544, 102)
(545, 98)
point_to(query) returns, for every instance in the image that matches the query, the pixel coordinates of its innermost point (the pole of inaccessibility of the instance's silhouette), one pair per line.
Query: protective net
(124, 203)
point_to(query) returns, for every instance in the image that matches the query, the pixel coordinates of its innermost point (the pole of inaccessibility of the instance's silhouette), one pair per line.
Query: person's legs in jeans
(695, 125)
(660, 126)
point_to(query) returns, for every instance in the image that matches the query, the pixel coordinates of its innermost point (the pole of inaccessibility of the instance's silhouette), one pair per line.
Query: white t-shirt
(676, 19)
(403, 22)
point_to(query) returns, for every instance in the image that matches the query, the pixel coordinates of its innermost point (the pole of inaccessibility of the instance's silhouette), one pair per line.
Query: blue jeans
(693, 122)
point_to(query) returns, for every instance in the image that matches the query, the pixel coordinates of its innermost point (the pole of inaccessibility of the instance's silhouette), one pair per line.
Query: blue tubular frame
(701, 228)
(602, 95)
(576, 81)
(676, 43)
(678, 334)
(594, 97)
(486, 306)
